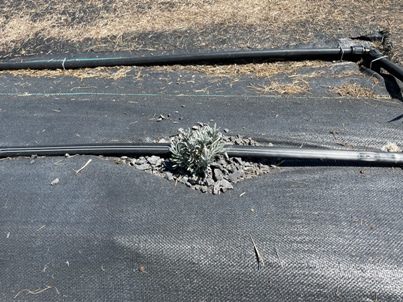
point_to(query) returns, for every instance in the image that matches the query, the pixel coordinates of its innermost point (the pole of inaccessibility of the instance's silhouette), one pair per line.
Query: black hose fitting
(376, 60)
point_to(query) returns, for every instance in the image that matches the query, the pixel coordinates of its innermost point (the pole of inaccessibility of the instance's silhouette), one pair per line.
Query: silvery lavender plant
(195, 150)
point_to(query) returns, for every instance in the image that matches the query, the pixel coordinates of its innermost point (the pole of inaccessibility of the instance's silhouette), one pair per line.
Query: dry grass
(141, 16)
(84, 73)
(354, 90)
(293, 21)
(265, 70)
(296, 87)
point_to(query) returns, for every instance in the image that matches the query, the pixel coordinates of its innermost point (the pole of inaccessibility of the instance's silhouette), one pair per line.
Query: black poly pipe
(376, 59)
(324, 154)
(96, 149)
(70, 61)
(232, 150)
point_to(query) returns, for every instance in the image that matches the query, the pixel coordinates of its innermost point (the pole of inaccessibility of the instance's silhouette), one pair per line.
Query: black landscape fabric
(306, 231)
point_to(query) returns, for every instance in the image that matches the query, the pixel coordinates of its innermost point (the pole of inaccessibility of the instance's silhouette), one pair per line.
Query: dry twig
(259, 258)
(34, 292)
(83, 167)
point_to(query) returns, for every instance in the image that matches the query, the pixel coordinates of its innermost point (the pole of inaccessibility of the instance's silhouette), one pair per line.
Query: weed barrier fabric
(325, 232)
(115, 233)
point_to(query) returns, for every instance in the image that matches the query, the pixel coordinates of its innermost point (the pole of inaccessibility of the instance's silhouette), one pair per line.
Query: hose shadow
(392, 86)
(396, 118)
(394, 91)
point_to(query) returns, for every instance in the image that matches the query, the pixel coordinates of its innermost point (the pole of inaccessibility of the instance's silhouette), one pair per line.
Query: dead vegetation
(266, 70)
(354, 90)
(297, 87)
(30, 27)
(113, 73)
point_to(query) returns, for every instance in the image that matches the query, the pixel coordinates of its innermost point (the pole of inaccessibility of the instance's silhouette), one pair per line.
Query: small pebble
(218, 175)
(153, 160)
(55, 182)
(169, 176)
(143, 167)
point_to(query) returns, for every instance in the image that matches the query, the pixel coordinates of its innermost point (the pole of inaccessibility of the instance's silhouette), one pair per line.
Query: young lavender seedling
(195, 150)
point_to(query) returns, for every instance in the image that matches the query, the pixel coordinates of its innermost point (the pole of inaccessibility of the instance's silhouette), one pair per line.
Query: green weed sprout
(195, 150)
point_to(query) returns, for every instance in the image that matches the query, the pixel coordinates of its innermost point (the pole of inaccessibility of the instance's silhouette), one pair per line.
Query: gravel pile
(222, 175)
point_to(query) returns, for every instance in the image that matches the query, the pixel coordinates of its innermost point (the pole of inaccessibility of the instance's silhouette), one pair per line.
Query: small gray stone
(246, 164)
(55, 182)
(117, 160)
(222, 162)
(265, 168)
(218, 175)
(153, 160)
(216, 188)
(183, 179)
(141, 160)
(169, 176)
(161, 117)
(238, 141)
(225, 185)
(238, 160)
(233, 177)
(209, 181)
(143, 167)
(203, 189)
(230, 168)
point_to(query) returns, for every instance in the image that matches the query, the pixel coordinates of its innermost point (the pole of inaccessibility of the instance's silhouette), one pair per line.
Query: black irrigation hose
(377, 60)
(234, 151)
(107, 150)
(70, 61)
(323, 154)
(373, 57)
